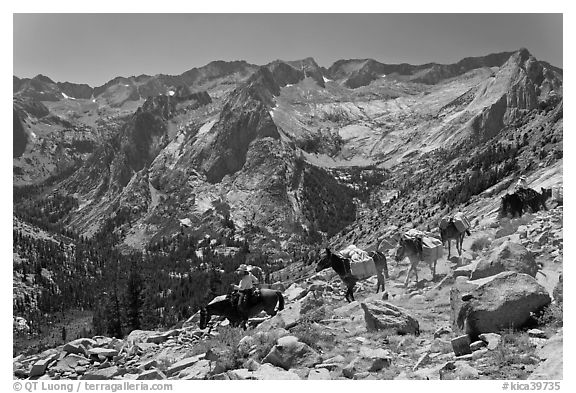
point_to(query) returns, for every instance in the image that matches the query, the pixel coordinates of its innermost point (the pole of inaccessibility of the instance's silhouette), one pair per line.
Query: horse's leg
(408, 274)
(380, 282)
(449, 241)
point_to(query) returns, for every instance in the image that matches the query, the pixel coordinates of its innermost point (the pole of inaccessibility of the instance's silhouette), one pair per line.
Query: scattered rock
(492, 340)
(106, 352)
(441, 346)
(442, 331)
(78, 349)
(476, 345)
(461, 345)
(294, 292)
(198, 370)
(552, 355)
(268, 371)
(459, 370)
(477, 354)
(104, 373)
(289, 352)
(86, 342)
(40, 366)
(379, 357)
(349, 371)
(151, 375)
(70, 362)
(148, 364)
(182, 364)
(537, 333)
(380, 315)
(319, 373)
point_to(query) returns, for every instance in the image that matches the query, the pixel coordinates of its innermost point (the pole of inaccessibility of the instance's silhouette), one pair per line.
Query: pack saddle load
(362, 265)
(460, 220)
(432, 248)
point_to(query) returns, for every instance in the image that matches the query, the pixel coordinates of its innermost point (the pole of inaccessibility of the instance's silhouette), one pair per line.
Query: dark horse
(342, 267)
(523, 199)
(226, 307)
(452, 233)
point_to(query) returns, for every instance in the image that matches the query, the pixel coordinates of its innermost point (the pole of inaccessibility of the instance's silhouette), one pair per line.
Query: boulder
(442, 331)
(537, 333)
(503, 301)
(182, 364)
(198, 370)
(139, 336)
(151, 375)
(319, 373)
(148, 364)
(379, 357)
(86, 342)
(278, 286)
(380, 315)
(552, 355)
(70, 362)
(78, 349)
(104, 373)
(294, 292)
(287, 318)
(350, 370)
(476, 345)
(289, 352)
(348, 310)
(460, 370)
(509, 256)
(269, 372)
(107, 352)
(439, 345)
(245, 345)
(40, 366)
(162, 337)
(461, 345)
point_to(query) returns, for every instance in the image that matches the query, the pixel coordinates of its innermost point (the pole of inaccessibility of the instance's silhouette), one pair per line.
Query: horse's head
(325, 262)
(400, 251)
(546, 192)
(204, 318)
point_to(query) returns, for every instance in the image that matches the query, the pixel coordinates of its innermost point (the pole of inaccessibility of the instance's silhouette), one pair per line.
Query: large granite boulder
(503, 301)
(380, 315)
(509, 256)
(289, 352)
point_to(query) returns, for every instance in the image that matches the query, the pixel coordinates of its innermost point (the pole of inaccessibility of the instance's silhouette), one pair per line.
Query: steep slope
(261, 148)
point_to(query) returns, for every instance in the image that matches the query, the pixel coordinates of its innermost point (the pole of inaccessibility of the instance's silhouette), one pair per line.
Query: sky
(94, 48)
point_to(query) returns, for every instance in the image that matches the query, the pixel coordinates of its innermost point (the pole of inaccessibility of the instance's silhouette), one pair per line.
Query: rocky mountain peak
(43, 79)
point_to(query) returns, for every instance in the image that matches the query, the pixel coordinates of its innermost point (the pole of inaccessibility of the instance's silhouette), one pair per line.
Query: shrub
(312, 334)
(480, 243)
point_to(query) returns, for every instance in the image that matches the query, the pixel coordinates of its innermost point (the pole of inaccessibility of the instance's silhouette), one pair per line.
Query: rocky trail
(404, 333)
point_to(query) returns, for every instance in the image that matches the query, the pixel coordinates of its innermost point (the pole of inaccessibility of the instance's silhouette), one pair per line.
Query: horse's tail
(280, 300)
